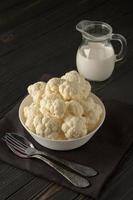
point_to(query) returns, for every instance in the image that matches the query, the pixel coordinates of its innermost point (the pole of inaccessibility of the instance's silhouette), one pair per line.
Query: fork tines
(13, 141)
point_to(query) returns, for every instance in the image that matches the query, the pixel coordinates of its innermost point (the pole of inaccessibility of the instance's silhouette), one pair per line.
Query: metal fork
(22, 151)
(24, 142)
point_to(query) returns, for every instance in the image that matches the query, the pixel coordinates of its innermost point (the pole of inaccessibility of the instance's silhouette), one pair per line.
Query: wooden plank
(12, 179)
(30, 190)
(8, 4)
(50, 192)
(82, 197)
(58, 193)
(24, 11)
(3, 167)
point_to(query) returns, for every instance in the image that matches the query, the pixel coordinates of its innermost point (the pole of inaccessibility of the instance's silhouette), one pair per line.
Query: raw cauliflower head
(74, 76)
(74, 127)
(74, 108)
(54, 105)
(36, 90)
(48, 127)
(93, 117)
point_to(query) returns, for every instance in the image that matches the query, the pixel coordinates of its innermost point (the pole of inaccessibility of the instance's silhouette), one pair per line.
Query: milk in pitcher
(96, 61)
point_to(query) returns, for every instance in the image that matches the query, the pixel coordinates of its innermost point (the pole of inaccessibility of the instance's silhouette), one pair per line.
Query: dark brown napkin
(103, 152)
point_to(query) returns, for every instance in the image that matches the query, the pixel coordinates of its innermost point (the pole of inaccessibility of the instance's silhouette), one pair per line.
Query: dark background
(39, 36)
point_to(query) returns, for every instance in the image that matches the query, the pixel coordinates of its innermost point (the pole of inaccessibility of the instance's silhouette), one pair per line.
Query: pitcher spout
(82, 26)
(94, 30)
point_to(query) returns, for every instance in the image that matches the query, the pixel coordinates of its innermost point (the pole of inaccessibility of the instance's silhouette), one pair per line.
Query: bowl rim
(69, 140)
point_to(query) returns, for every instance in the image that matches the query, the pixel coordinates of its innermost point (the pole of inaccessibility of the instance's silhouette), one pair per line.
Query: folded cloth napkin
(103, 152)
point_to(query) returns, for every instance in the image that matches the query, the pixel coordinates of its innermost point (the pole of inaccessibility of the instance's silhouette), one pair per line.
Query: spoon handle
(81, 169)
(75, 179)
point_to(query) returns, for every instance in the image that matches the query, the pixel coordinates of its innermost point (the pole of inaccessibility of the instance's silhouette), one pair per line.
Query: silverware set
(75, 173)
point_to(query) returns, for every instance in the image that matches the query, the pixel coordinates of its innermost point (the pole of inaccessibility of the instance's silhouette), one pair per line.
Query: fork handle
(75, 179)
(81, 169)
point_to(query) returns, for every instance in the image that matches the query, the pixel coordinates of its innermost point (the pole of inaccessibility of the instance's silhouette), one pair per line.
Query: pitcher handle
(120, 38)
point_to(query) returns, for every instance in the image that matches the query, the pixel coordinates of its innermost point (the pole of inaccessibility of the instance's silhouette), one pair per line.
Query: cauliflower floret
(93, 117)
(98, 111)
(26, 111)
(48, 127)
(36, 90)
(52, 86)
(70, 90)
(37, 119)
(29, 124)
(74, 108)
(38, 86)
(74, 127)
(51, 124)
(74, 76)
(88, 104)
(39, 129)
(85, 88)
(54, 136)
(30, 113)
(54, 105)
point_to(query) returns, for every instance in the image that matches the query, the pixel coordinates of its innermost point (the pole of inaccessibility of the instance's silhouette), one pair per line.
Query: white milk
(95, 61)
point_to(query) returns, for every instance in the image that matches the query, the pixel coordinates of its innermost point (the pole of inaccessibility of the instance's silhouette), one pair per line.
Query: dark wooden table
(39, 37)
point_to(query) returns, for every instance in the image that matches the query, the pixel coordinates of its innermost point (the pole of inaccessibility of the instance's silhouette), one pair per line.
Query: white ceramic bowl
(61, 145)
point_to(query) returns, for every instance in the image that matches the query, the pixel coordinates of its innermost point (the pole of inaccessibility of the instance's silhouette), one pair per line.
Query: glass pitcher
(95, 57)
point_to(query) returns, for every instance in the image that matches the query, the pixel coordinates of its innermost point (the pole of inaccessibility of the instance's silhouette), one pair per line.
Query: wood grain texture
(20, 11)
(40, 37)
(11, 179)
(32, 190)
